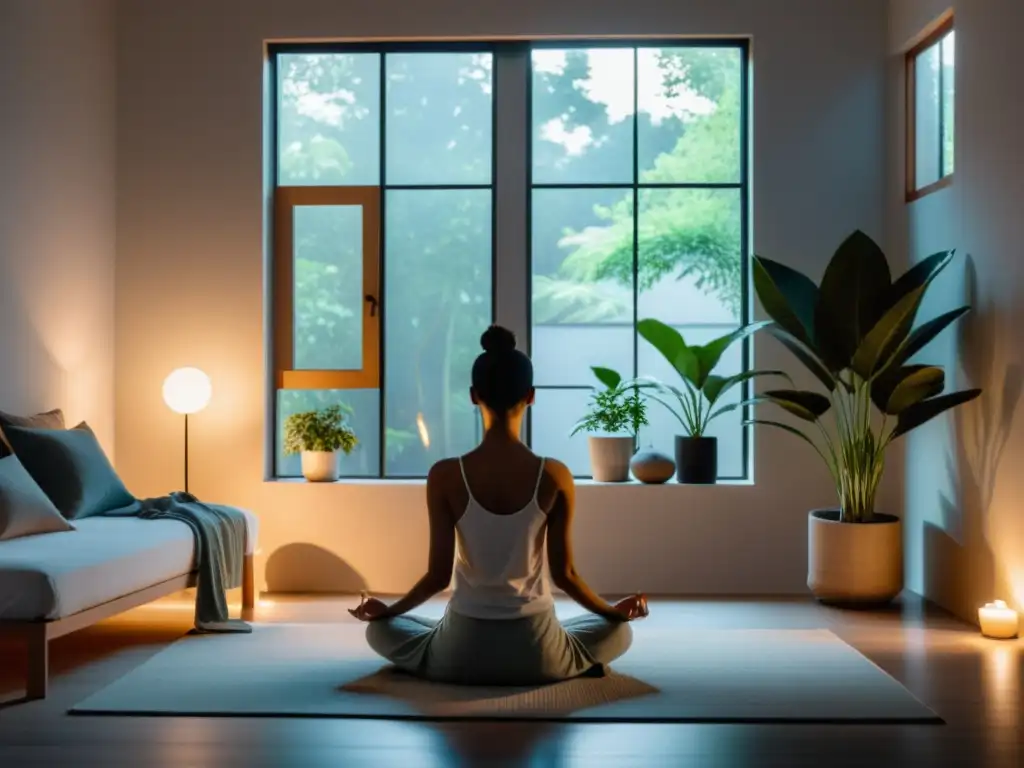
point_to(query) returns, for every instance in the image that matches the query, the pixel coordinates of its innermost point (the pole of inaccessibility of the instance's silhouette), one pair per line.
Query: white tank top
(500, 564)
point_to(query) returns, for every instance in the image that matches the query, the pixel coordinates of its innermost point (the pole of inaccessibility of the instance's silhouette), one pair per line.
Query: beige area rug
(669, 675)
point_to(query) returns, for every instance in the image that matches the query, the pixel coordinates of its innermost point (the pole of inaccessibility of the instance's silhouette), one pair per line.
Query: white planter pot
(609, 458)
(854, 563)
(320, 466)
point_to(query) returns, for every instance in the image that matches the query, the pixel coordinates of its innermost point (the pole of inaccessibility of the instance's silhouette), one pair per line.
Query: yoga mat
(669, 675)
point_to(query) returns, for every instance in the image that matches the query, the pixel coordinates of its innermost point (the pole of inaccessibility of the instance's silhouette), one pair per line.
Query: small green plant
(693, 405)
(616, 409)
(320, 430)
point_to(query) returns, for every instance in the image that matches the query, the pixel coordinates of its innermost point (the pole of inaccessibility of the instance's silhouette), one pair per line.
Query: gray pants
(528, 651)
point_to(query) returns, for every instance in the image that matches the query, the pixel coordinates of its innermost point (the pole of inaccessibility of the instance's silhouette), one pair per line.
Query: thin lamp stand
(186, 453)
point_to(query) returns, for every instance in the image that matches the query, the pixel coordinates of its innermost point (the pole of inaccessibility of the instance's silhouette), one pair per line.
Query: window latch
(373, 304)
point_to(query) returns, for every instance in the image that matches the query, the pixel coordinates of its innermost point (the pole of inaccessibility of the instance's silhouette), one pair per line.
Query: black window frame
(496, 48)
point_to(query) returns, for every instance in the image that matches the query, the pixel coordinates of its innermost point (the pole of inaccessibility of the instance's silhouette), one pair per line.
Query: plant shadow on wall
(304, 568)
(40, 382)
(960, 569)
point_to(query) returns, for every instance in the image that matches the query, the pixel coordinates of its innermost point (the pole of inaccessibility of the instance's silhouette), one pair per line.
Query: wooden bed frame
(38, 634)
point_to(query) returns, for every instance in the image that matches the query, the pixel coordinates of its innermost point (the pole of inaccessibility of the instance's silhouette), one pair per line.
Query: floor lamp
(187, 390)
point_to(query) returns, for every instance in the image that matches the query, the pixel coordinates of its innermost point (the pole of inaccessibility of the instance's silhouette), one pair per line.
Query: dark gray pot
(696, 460)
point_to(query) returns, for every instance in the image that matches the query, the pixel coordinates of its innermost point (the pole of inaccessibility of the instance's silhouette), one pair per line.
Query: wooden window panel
(285, 202)
(913, 192)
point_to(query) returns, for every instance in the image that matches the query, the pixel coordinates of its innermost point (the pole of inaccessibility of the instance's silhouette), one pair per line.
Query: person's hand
(369, 609)
(633, 607)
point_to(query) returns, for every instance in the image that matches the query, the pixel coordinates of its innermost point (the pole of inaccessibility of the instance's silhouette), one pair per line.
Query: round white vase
(320, 466)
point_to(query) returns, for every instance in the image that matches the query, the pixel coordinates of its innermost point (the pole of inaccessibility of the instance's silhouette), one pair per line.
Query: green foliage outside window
(438, 258)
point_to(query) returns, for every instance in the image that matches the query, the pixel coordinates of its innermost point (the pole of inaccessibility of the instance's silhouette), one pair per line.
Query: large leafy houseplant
(856, 333)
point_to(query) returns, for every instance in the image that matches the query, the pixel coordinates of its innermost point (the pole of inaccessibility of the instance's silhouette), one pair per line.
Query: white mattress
(58, 574)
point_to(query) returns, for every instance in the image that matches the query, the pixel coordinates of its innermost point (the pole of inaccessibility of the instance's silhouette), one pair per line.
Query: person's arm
(442, 549)
(560, 558)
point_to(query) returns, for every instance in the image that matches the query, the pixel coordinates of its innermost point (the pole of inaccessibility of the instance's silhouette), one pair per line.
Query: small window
(930, 100)
(325, 232)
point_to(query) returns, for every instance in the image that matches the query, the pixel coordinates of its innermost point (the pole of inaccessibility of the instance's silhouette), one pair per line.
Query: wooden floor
(974, 684)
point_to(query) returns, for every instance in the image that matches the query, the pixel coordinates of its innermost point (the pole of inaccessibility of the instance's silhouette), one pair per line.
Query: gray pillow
(24, 509)
(71, 468)
(50, 420)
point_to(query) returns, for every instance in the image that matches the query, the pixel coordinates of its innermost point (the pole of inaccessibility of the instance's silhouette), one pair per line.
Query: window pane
(564, 354)
(948, 101)
(552, 418)
(582, 256)
(437, 303)
(583, 116)
(439, 118)
(690, 261)
(364, 460)
(328, 277)
(328, 119)
(689, 122)
(664, 426)
(926, 83)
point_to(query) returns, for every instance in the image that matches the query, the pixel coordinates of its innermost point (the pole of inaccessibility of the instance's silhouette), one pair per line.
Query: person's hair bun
(498, 339)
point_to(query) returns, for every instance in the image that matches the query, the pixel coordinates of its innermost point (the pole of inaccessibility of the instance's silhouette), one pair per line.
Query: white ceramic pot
(609, 458)
(320, 466)
(854, 563)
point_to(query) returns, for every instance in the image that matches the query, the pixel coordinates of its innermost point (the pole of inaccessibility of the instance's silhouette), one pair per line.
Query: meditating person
(500, 503)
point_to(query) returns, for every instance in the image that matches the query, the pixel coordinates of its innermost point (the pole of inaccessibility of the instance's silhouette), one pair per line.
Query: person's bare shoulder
(557, 477)
(443, 481)
(444, 472)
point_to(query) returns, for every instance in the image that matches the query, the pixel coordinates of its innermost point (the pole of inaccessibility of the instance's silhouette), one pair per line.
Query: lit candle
(998, 620)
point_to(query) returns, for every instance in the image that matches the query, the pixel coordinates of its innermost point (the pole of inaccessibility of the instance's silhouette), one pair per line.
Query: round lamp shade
(187, 390)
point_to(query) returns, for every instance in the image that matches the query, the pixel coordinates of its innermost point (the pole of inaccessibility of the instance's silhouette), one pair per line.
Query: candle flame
(421, 425)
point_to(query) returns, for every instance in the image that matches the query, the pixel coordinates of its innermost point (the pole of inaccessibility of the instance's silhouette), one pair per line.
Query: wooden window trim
(286, 199)
(943, 27)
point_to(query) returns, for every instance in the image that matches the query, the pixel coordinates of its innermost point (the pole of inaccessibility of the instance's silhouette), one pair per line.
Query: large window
(930, 109)
(424, 191)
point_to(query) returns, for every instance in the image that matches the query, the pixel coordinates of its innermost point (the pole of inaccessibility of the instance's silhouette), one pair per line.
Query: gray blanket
(220, 550)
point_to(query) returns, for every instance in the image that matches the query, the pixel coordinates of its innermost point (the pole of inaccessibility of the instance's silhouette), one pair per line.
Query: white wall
(965, 531)
(190, 281)
(57, 223)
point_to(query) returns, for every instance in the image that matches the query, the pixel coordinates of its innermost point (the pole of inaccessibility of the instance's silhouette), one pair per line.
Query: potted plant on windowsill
(616, 414)
(855, 333)
(694, 405)
(319, 435)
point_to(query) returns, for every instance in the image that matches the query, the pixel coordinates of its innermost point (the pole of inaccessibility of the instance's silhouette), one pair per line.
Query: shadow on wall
(31, 379)
(960, 569)
(309, 568)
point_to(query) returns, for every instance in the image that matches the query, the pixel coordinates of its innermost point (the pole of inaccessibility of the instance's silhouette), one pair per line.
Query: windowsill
(580, 482)
(935, 186)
